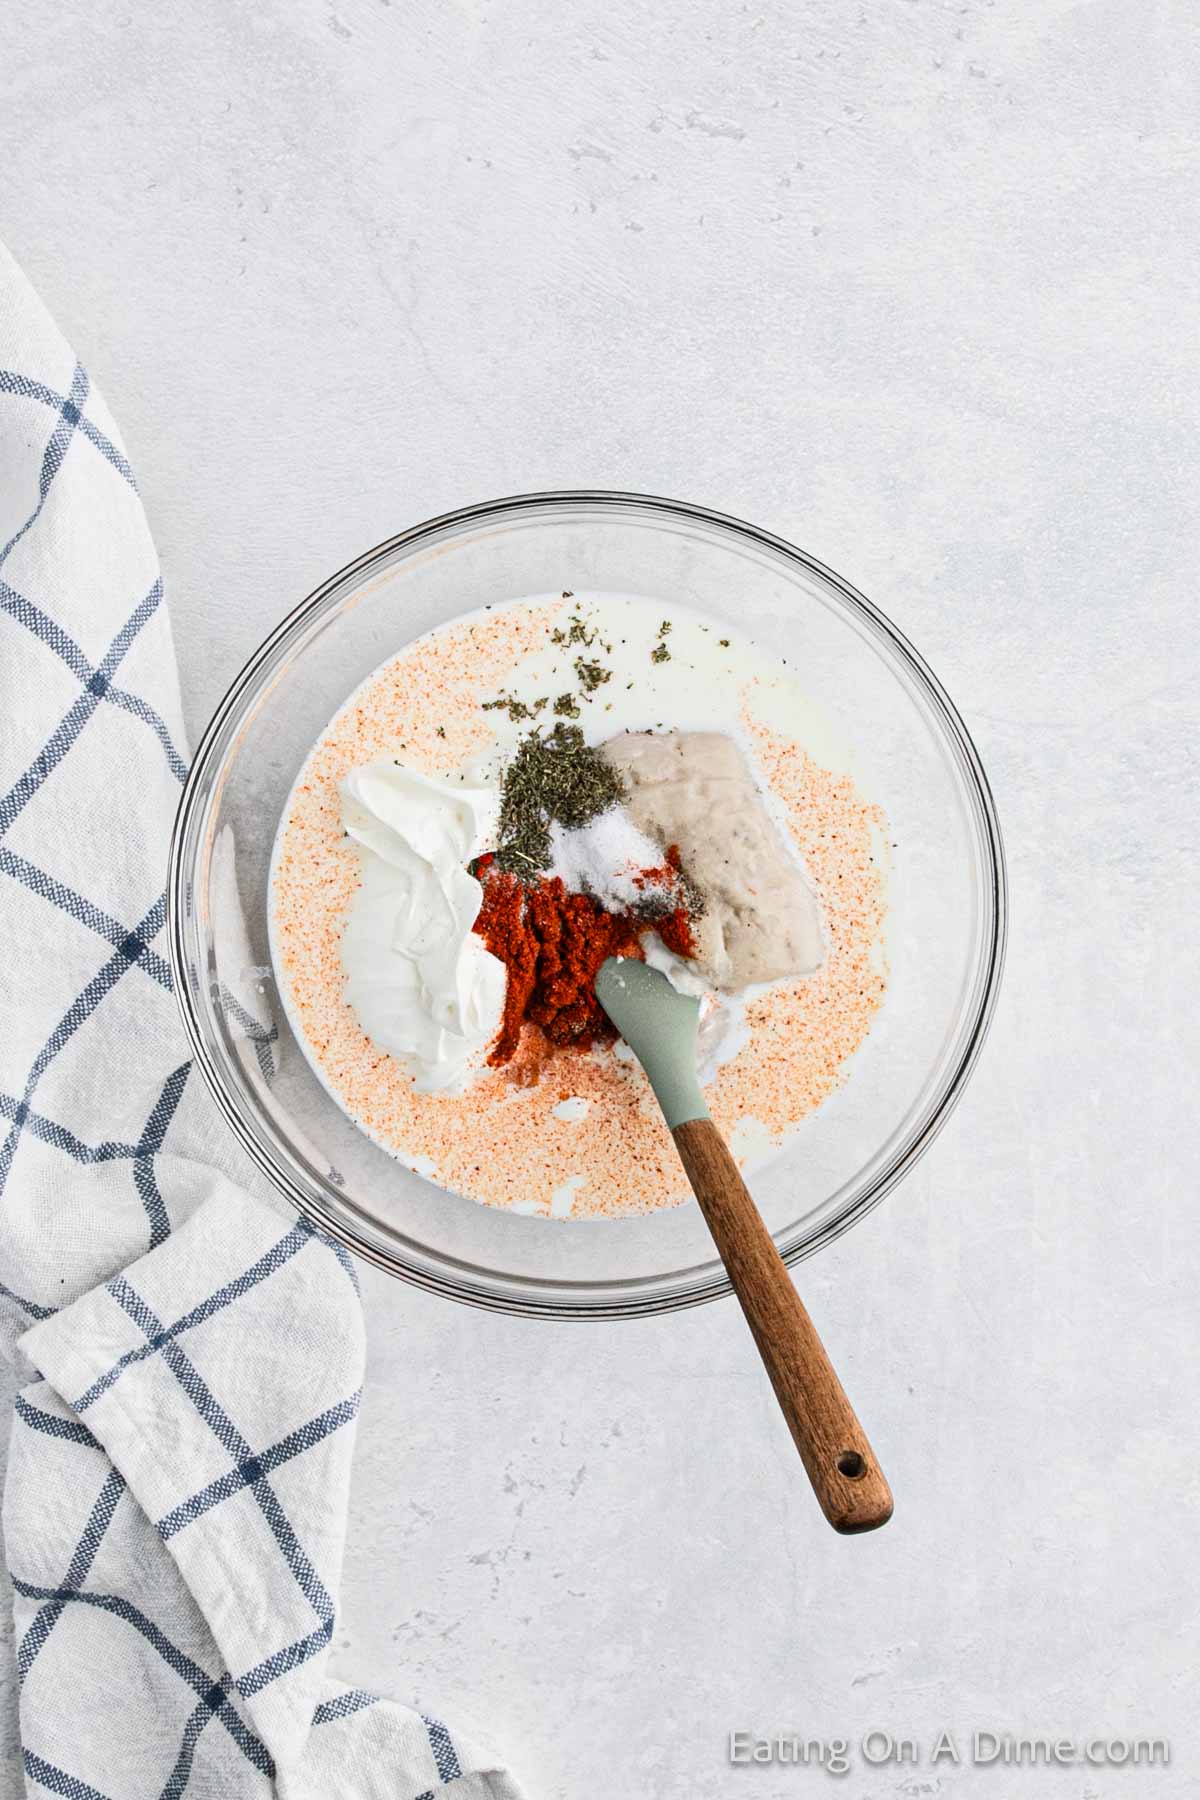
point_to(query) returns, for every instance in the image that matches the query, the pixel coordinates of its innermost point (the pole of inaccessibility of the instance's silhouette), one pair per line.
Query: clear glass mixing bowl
(911, 753)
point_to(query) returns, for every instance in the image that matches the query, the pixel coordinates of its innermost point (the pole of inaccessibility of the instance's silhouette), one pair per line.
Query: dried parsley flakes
(516, 709)
(576, 632)
(551, 778)
(591, 674)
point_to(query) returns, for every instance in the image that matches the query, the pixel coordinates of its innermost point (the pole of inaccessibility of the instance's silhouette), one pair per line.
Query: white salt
(603, 857)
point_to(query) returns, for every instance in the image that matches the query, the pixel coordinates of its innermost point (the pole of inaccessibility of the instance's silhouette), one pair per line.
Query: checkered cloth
(189, 1356)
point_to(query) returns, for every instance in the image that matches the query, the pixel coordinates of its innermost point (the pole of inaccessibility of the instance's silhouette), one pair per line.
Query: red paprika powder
(552, 943)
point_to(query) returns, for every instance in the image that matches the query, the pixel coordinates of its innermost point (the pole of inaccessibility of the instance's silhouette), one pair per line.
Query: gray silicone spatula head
(659, 1025)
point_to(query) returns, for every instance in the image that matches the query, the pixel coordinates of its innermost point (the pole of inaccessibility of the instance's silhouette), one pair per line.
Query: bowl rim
(637, 1304)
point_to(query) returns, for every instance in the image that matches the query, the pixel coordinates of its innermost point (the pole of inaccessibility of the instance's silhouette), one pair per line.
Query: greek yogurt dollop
(418, 978)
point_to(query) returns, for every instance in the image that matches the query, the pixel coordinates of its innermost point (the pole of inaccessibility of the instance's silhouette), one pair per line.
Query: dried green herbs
(591, 674)
(551, 778)
(576, 632)
(660, 653)
(516, 709)
(567, 706)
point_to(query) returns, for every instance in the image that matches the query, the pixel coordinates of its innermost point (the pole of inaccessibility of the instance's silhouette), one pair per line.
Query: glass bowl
(909, 751)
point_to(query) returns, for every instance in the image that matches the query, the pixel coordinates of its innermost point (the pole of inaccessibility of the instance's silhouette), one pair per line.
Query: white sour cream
(420, 982)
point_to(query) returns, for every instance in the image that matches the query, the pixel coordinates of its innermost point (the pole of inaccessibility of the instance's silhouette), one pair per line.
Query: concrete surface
(913, 284)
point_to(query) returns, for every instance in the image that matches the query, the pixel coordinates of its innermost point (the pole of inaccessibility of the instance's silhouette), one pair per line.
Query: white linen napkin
(190, 1355)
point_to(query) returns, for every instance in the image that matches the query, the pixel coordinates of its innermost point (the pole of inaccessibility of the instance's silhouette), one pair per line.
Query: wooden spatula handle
(840, 1462)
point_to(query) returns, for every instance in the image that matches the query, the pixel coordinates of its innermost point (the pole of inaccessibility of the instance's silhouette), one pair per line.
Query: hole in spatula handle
(852, 1465)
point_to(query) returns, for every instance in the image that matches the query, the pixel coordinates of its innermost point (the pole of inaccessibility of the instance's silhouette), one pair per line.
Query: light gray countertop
(913, 285)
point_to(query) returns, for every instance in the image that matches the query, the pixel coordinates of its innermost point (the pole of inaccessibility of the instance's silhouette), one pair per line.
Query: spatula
(659, 1025)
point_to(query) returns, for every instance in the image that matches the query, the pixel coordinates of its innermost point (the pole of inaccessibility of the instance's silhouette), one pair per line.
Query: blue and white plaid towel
(189, 1357)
